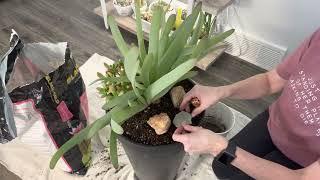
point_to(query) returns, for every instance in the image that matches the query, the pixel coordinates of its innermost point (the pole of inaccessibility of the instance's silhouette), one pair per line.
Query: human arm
(254, 87)
(200, 140)
(259, 168)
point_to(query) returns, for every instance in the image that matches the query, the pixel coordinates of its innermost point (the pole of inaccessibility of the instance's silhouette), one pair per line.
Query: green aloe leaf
(114, 150)
(131, 63)
(128, 111)
(172, 53)
(140, 37)
(163, 45)
(84, 134)
(154, 32)
(146, 68)
(220, 37)
(131, 67)
(197, 30)
(168, 79)
(177, 45)
(122, 45)
(208, 43)
(140, 86)
(189, 75)
(180, 60)
(119, 99)
(116, 127)
(185, 55)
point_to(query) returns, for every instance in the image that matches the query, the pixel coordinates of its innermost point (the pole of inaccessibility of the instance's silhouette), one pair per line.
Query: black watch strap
(228, 155)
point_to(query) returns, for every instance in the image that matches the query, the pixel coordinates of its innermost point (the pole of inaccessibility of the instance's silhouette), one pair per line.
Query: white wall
(282, 22)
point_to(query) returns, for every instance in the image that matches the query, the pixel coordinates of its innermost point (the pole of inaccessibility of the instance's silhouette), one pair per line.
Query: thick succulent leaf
(177, 45)
(172, 53)
(119, 100)
(180, 60)
(128, 111)
(140, 86)
(84, 134)
(163, 45)
(189, 75)
(116, 34)
(208, 43)
(140, 37)
(131, 63)
(139, 96)
(220, 37)
(168, 79)
(197, 31)
(154, 32)
(185, 55)
(114, 149)
(146, 68)
(169, 25)
(116, 127)
(164, 39)
(131, 66)
(202, 45)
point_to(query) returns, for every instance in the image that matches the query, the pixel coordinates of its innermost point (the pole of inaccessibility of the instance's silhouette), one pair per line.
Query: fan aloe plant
(152, 73)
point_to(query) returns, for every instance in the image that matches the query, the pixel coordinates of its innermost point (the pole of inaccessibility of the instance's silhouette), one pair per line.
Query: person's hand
(199, 140)
(207, 95)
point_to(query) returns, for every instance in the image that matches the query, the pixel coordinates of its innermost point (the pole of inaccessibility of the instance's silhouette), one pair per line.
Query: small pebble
(195, 102)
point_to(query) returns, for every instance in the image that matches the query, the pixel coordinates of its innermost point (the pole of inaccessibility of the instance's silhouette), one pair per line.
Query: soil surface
(217, 128)
(137, 129)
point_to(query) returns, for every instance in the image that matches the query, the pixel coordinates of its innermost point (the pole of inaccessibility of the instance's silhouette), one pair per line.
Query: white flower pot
(220, 114)
(144, 8)
(123, 10)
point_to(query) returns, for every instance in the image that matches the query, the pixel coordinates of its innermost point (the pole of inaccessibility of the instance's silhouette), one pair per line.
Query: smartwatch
(227, 155)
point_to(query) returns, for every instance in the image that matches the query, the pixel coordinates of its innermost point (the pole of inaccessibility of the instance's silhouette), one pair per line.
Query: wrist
(217, 148)
(225, 91)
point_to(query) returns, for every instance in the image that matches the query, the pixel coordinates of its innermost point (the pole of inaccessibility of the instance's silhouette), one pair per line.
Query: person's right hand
(207, 95)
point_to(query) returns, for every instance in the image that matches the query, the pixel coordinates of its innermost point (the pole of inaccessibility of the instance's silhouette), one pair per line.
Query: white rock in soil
(176, 95)
(160, 123)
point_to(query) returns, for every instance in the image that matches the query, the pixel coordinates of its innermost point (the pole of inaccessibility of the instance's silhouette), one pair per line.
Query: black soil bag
(48, 103)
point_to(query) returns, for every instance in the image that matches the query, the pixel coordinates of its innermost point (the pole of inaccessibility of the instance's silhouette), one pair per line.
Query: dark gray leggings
(254, 138)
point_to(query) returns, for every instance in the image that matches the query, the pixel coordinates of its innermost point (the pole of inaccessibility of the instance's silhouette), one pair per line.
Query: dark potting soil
(215, 127)
(137, 129)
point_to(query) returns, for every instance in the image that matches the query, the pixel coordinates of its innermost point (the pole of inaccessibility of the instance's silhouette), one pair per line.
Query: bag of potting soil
(47, 104)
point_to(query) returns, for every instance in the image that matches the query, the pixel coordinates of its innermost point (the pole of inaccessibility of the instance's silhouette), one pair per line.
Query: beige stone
(160, 123)
(177, 93)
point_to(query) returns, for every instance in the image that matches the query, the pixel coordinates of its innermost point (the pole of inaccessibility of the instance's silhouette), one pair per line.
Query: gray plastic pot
(153, 162)
(222, 115)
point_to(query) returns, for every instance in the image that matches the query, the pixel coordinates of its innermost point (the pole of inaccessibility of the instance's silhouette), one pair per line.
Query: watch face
(224, 158)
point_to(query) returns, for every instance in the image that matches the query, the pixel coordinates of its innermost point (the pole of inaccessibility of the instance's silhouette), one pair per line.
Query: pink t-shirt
(294, 122)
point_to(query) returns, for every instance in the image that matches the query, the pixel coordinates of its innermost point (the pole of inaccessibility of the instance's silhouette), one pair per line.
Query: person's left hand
(199, 140)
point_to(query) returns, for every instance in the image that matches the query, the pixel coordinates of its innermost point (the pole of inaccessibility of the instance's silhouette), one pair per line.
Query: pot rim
(149, 146)
(233, 119)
